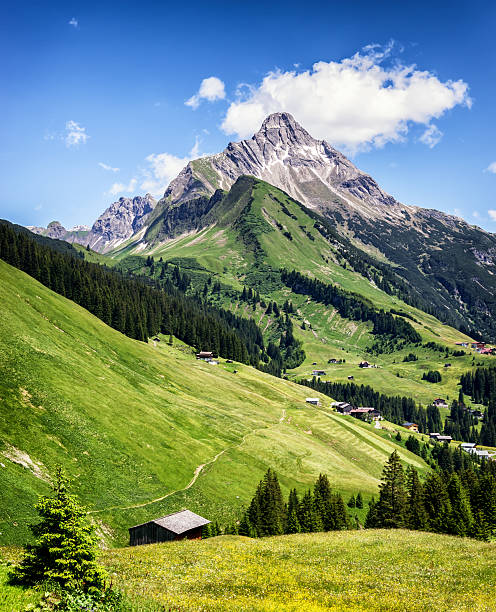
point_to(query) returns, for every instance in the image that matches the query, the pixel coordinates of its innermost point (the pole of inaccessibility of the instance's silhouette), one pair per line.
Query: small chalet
(318, 373)
(411, 426)
(444, 438)
(312, 400)
(468, 447)
(351, 377)
(364, 364)
(476, 413)
(204, 355)
(365, 414)
(440, 402)
(342, 407)
(184, 525)
(478, 345)
(332, 360)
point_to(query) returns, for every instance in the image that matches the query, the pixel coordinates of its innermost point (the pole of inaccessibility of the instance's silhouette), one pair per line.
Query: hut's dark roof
(179, 522)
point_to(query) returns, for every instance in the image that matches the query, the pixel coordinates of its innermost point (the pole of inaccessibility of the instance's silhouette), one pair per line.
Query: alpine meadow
(256, 381)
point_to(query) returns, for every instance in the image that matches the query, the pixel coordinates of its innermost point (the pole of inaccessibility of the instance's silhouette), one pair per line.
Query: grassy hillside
(360, 571)
(363, 571)
(250, 237)
(146, 429)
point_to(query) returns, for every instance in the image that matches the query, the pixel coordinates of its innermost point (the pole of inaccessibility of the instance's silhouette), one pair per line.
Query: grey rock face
(284, 154)
(57, 231)
(120, 221)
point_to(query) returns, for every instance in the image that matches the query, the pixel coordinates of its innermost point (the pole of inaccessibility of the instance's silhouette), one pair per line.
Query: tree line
(461, 503)
(318, 509)
(352, 306)
(133, 306)
(480, 385)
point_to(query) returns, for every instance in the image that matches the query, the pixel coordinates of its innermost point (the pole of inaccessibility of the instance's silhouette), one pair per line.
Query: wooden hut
(176, 526)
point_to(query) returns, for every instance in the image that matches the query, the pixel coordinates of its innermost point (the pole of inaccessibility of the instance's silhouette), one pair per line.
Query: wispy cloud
(211, 89)
(75, 134)
(156, 174)
(73, 22)
(492, 214)
(118, 188)
(107, 167)
(491, 168)
(431, 136)
(359, 102)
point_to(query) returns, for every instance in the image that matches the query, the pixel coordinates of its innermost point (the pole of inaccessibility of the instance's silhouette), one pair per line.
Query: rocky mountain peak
(120, 221)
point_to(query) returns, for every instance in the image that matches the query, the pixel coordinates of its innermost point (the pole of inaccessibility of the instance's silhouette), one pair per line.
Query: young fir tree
(359, 500)
(306, 513)
(391, 507)
(342, 518)
(461, 521)
(416, 516)
(292, 522)
(323, 503)
(65, 547)
(352, 502)
(437, 503)
(272, 510)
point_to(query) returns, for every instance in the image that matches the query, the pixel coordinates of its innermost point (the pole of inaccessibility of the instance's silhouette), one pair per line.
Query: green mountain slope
(145, 429)
(254, 230)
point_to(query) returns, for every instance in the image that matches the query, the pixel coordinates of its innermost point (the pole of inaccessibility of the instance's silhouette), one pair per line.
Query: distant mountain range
(449, 265)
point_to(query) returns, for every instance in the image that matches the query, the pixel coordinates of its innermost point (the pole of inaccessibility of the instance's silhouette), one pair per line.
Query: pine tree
(359, 500)
(292, 522)
(65, 547)
(416, 515)
(461, 521)
(323, 504)
(306, 513)
(437, 503)
(391, 507)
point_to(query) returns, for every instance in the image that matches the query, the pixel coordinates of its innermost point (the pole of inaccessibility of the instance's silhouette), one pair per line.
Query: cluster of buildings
(471, 448)
(478, 347)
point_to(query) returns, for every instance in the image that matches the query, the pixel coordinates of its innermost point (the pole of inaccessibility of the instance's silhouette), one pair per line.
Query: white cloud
(431, 136)
(475, 214)
(107, 167)
(118, 188)
(73, 22)
(163, 167)
(355, 103)
(492, 214)
(491, 167)
(75, 134)
(211, 89)
(158, 172)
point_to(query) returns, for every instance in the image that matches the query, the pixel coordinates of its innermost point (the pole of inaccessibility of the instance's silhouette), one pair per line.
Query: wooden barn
(176, 526)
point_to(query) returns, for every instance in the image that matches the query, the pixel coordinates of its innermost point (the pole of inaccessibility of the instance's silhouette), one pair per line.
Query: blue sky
(93, 96)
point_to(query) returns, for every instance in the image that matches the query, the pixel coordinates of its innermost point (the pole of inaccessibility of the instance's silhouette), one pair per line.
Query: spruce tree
(352, 502)
(391, 507)
(292, 522)
(359, 500)
(461, 521)
(437, 503)
(306, 513)
(416, 515)
(65, 547)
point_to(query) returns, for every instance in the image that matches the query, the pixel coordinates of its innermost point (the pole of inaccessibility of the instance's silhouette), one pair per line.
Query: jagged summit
(284, 154)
